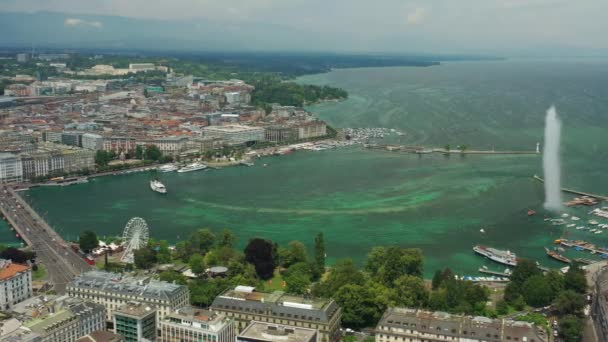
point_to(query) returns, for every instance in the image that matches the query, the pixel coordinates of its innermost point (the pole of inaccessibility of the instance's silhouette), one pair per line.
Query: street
(61, 262)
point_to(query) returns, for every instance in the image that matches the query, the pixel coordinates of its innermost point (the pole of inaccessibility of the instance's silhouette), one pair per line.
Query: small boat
(157, 186)
(565, 215)
(557, 256)
(574, 218)
(599, 232)
(531, 212)
(571, 225)
(593, 222)
(482, 230)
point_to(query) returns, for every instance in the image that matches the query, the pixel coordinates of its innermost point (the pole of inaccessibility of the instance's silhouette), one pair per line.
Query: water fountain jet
(551, 162)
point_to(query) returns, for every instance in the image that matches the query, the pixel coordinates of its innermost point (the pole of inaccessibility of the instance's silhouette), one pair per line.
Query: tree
(88, 241)
(359, 307)
(163, 254)
(17, 256)
(197, 264)
(144, 257)
(410, 291)
(203, 292)
(226, 238)
(537, 292)
(571, 328)
(200, 242)
(575, 279)
(389, 263)
(262, 254)
(344, 272)
(525, 269)
(139, 152)
(437, 279)
(320, 253)
(102, 158)
(570, 303)
(297, 283)
(296, 253)
(447, 147)
(173, 277)
(502, 308)
(152, 152)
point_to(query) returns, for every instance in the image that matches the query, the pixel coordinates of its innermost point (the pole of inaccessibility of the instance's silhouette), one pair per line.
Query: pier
(61, 262)
(425, 150)
(575, 192)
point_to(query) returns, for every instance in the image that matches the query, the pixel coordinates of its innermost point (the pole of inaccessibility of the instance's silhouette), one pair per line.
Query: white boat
(482, 230)
(599, 232)
(564, 215)
(168, 168)
(593, 222)
(571, 225)
(497, 255)
(574, 218)
(157, 186)
(193, 167)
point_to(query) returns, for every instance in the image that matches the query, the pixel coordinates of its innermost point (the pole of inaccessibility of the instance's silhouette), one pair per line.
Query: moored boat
(192, 167)
(497, 255)
(168, 168)
(555, 255)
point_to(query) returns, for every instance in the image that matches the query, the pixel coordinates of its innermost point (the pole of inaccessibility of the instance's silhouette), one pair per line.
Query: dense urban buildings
(269, 332)
(413, 325)
(135, 322)
(54, 319)
(15, 283)
(11, 168)
(114, 290)
(194, 325)
(235, 134)
(244, 304)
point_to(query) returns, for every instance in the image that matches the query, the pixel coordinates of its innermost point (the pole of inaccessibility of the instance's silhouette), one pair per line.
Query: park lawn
(40, 273)
(275, 283)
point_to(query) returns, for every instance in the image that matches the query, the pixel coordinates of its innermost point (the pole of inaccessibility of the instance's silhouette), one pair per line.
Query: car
(554, 323)
(555, 333)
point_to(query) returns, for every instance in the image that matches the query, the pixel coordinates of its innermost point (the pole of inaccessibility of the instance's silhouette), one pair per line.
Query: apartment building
(15, 283)
(193, 325)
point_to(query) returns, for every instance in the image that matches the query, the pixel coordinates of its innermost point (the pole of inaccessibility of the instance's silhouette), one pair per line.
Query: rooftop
(260, 331)
(135, 309)
(198, 318)
(247, 299)
(101, 336)
(119, 284)
(459, 325)
(8, 270)
(232, 128)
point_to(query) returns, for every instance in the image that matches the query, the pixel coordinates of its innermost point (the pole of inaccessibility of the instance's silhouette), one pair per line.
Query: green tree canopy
(410, 291)
(197, 264)
(570, 302)
(389, 263)
(88, 241)
(343, 272)
(359, 306)
(144, 257)
(575, 279)
(297, 283)
(152, 152)
(296, 252)
(537, 292)
(319, 255)
(262, 254)
(226, 238)
(571, 328)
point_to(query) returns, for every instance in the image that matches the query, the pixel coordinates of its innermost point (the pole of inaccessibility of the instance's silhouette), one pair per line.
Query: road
(61, 262)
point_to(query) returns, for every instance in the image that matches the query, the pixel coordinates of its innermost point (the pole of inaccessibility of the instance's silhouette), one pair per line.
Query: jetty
(576, 192)
(426, 150)
(506, 273)
(583, 246)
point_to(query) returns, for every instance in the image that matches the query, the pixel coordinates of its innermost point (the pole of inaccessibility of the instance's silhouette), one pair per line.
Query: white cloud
(73, 22)
(417, 15)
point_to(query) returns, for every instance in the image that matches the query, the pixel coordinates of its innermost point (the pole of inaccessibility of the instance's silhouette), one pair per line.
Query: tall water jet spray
(551, 163)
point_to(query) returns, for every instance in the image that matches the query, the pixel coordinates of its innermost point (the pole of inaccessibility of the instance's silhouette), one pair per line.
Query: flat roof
(138, 310)
(274, 332)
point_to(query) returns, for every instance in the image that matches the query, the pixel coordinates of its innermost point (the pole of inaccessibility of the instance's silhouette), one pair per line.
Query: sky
(424, 26)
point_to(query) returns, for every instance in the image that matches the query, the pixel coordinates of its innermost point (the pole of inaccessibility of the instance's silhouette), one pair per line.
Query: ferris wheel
(134, 237)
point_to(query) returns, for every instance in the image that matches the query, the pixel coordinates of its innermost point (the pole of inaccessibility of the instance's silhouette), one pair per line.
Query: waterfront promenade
(61, 262)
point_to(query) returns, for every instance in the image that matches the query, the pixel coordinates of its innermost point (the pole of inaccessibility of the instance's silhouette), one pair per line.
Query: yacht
(157, 186)
(168, 168)
(497, 255)
(193, 167)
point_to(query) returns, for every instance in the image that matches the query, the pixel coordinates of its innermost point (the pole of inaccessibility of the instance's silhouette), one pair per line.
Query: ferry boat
(157, 186)
(193, 167)
(168, 168)
(497, 255)
(555, 255)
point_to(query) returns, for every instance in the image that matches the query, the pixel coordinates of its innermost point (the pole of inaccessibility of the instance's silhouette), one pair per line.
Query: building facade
(413, 325)
(11, 170)
(280, 134)
(169, 145)
(235, 134)
(269, 332)
(244, 304)
(53, 159)
(114, 290)
(194, 325)
(135, 322)
(15, 283)
(74, 319)
(119, 144)
(311, 129)
(92, 141)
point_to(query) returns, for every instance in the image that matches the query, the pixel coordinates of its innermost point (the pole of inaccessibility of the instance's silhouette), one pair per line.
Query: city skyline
(506, 27)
